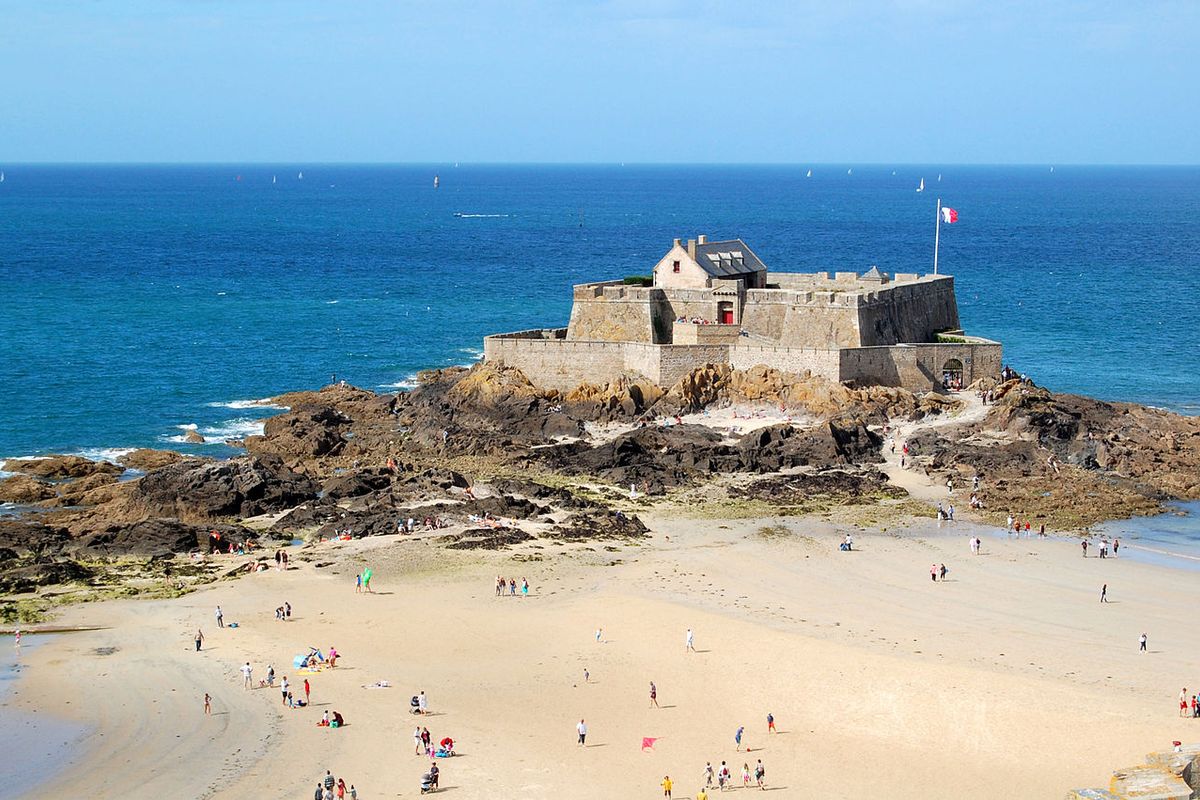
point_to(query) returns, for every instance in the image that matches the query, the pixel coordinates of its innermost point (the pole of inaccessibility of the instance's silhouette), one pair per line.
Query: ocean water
(137, 302)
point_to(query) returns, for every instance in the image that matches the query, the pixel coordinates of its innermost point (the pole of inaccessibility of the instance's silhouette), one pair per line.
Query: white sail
(939, 177)
(300, 177)
(809, 175)
(272, 179)
(436, 181)
(921, 186)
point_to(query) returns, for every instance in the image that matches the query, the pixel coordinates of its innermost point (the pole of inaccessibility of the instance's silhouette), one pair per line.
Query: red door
(726, 316)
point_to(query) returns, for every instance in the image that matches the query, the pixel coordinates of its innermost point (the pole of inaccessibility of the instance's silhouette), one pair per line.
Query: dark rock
(355, 484)
(600, 526)
(154, 538)
(485, 539)
(240, 487)
(30, 577)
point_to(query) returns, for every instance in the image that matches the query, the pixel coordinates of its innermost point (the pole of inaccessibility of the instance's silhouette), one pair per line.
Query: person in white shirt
(581, 728)
(422, 703)
(246, 672)
(690, 642)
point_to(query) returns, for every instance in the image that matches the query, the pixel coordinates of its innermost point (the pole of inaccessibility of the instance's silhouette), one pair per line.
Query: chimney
(675, 243)
(701, 239)
(692, 249)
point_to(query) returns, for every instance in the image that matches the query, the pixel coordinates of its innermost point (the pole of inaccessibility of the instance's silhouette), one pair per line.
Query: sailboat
(272, 179)
(300, 177)
(1, 176)
(939, 177)
(849, 172)
(921, 185)
(809, 175)
(436, 181)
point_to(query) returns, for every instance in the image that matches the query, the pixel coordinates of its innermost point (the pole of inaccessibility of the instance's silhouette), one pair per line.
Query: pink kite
(648, 743)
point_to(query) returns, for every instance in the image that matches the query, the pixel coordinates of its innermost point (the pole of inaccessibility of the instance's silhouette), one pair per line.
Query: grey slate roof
(728, 259)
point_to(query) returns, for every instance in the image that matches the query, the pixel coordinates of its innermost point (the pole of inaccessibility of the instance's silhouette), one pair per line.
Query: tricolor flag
(949, 215)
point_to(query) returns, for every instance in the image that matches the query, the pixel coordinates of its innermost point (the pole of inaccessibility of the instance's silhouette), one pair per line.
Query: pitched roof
(727, 259)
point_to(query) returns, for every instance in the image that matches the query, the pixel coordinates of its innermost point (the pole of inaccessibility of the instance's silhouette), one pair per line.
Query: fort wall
(553, 362)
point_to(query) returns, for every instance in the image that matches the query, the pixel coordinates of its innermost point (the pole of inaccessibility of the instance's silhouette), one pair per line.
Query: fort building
(717, 303)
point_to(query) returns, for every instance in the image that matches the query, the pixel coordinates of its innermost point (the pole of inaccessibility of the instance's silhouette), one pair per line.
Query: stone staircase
(1166, 775)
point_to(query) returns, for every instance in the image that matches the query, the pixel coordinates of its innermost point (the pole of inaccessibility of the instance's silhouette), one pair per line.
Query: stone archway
(952, 374)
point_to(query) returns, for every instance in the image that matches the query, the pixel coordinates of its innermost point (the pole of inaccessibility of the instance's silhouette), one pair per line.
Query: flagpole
(937, 229)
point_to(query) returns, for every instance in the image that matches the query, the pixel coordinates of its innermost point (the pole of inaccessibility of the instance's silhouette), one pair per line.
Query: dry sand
(1008, 680)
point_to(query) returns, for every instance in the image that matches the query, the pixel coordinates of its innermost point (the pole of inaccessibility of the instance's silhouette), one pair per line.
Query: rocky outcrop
(600, 526)
(59, 467)
(805, 489)
(625, 398)
(156, 538)
(25, 490)
(147, 460)
(17, 578)
(89, 490)
(304, 433)
(200, 492)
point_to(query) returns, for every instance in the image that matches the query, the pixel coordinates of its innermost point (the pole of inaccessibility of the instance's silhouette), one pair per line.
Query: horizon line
(887, 164)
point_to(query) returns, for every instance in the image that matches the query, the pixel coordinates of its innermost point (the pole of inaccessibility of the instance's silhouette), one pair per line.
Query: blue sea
(139, 302)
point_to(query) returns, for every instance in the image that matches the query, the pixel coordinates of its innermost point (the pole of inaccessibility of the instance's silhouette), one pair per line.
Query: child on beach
(207, 704)
(745, 774)
(771, 723)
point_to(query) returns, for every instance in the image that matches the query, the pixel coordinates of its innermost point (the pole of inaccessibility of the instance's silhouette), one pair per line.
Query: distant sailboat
(300, 176)
(849, 172)
(921, 185)
(436, 181)
(272, 179)
(1, 177)
(893, 172)
(809, 175)
(939, 177)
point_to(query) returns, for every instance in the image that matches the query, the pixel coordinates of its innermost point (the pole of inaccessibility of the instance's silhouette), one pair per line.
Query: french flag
(949, 215)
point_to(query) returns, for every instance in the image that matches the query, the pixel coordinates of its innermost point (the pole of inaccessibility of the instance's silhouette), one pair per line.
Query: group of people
(937, 571)
(723, 778)
(1103, 547)
(411, 525)
(334, 789)
(511, 585)
(284, 612)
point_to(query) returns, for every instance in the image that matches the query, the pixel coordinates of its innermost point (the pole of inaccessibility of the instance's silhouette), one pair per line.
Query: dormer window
(674, 266)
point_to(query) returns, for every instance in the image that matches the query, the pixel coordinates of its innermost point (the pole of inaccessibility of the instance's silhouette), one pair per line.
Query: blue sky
(653, 80)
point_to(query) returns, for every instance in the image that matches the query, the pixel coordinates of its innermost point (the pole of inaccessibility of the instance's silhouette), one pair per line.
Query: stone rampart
(919, 367)
(551, 361)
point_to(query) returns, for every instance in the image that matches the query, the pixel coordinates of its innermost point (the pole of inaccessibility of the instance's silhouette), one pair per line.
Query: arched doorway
(952, 375)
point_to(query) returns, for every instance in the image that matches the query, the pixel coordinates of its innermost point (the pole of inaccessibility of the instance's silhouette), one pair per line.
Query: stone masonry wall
(918, 367)
(798, 360)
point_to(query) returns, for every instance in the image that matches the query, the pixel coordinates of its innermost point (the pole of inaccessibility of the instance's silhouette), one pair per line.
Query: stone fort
(717, 303)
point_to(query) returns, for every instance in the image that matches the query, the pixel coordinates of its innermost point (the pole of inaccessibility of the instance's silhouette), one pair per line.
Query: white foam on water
(242, 405)
(217, 433)
(110, 454)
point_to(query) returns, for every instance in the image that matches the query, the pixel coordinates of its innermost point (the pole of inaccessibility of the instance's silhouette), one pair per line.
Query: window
(674, 266)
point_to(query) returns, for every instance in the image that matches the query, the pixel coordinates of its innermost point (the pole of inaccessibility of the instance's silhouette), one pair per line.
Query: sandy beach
(1008, 679)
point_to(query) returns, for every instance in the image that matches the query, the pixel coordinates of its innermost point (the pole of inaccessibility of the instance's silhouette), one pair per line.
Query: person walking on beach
(689, 642)
(653, 695)
(666, 786)
(708, 774)
(1142, 643)
(771, 723)
(745, 774)
(581, 729)
(942, 571)
(283, 689)
(199, 639)
(417, 740)
(246, 672)
(220, 618)
(207, 704)
(737, 737)
(306, 691)
(358, 584)
(1104, 593)
(1183, 702)
(760, 775)
(319, 794)
(1083, 544)
(1116, 547)
(933, 573)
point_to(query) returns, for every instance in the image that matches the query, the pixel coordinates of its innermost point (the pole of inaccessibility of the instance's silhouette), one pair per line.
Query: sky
(698, 81)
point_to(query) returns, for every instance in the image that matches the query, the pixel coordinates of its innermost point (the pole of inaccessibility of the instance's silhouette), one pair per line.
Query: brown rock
(57, 467)
(147, 459)
(192, 437)
(24, 490)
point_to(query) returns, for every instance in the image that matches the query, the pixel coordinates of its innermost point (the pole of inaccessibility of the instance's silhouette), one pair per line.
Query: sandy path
(916, 483)
(1010, 680)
